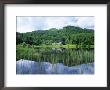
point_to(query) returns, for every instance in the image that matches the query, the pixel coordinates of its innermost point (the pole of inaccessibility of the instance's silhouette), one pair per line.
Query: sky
(29, 24)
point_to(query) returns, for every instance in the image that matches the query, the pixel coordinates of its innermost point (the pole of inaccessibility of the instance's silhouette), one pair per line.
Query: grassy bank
(56, 46)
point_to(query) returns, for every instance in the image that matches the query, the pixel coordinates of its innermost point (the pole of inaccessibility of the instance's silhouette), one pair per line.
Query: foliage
(67, 35)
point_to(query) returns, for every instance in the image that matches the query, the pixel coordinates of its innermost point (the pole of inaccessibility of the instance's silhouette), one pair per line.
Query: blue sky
(28, 24)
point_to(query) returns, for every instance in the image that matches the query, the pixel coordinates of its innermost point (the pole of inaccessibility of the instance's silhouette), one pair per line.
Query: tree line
(66, 35)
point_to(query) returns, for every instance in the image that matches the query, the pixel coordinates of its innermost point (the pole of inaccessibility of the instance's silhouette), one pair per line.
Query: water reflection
(32, 67)
(69, 56)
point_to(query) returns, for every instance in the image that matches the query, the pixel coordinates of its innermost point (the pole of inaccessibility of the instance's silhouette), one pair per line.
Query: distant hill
(67, 35)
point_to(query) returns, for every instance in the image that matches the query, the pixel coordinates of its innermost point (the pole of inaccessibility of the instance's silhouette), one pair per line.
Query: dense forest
(71, 35)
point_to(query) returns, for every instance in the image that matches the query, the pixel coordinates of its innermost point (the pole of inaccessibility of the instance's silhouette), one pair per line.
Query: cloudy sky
(28, 24)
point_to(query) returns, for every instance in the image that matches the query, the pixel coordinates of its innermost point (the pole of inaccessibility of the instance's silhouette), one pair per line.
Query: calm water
(68, 57)
(32, 67)
(54, 61)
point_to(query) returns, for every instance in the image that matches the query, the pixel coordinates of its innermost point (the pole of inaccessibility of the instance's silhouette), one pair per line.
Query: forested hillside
(67, 35)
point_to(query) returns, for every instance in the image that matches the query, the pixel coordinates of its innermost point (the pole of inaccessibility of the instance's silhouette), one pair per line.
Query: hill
(66, 35)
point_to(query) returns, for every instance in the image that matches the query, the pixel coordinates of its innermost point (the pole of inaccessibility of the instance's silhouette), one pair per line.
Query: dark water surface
(68, 57)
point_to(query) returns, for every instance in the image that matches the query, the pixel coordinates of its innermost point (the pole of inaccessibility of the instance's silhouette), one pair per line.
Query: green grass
(60, 46)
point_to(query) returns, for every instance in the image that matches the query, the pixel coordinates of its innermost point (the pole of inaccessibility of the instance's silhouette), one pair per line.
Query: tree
(67, 35)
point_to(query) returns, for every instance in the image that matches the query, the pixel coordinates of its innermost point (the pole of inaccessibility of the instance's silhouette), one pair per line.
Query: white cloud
(25, 28)
(28, 24)
(86, 22)
(57, 22)
(24, 24)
